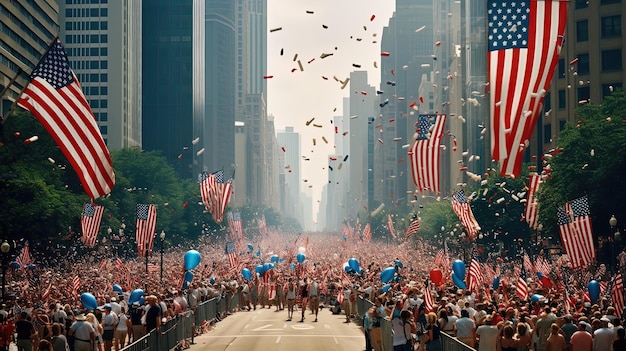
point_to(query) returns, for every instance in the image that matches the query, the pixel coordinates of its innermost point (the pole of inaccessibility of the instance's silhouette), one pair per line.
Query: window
(582, 30)
(611, 26)
(547, 133)
(104, 25)
(584, 94)
(104, 116)
(93, 38)
(104, 103)
(547, 103)
(94, 103)
(561, 125)
(93, 64)
(583, 64)
(104, 51)
(611, 60)
(93, 90)
(93, 77)
(104, 91)
(94, 51)
(582, 4)
(104, 77)
(608, 89)
(561, 68)
(562, 98)
(104, 38)
(104, 130)
(68, 13)
(68, 39)
(68, 25)
(607, 2)
(94, 12)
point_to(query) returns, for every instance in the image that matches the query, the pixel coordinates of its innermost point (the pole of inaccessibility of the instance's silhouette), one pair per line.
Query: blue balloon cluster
(135, 296)
(354, 265)
(387, 274)
(89, 301)
(117, 288)
(191, 260)
(274, 258)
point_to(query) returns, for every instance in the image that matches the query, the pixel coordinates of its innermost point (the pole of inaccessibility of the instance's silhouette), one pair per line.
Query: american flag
(54, 96)
(524, 39)
(24, 258)
(521, 288)
(576, 234)
(224, 192)
(234, 224)
(474, 274)
(528, 263)
(531, 212)
(90, 223)
(262, 225)
(75, 285)
(424, 154)
(208, 184)
(367, 233)
(46, 294)
(617, 294)
(390, 225)
(542, 266)
(413, 228)
(231, 252)
(439, 258)
(146, 224)
(428, 298)
(153, 268)
(464, 212)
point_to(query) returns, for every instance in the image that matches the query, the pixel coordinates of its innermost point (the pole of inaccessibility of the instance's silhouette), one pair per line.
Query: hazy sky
(295, 95)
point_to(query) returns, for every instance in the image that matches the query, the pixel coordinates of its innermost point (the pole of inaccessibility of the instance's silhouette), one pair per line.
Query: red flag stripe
(424, 156)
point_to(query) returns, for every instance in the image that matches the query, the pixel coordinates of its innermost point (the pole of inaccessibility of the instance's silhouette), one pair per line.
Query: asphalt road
(265, 329)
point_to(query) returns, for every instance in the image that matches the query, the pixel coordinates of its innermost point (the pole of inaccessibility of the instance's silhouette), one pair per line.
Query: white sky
(296, 97)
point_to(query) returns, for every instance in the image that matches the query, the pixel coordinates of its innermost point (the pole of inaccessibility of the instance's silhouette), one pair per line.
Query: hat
(113, 299)
(136, 304)
(81, 317)
(583, 323)
(107, 307)
(605, 320)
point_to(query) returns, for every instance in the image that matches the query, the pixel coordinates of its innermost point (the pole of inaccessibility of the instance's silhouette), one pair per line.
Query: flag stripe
(90, 223)
(425, 153)
(465, 214)
(576, 232)
(146, 225)
(531, 212)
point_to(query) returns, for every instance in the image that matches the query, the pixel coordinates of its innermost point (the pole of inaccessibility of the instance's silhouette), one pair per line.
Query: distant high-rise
(103, 43)
(289, 142)
(28, 28)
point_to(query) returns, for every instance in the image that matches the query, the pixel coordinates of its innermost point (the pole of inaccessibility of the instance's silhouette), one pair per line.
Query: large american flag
(55, 98)
(474, 274)
(531, 212)
(425, 152)
(146, 224)
(576, 234)
(617, 294)
(231, 252)
(90, 223)
(465, 214)
(234, 224)
(525, 38)
(208, 184)
(24, 258)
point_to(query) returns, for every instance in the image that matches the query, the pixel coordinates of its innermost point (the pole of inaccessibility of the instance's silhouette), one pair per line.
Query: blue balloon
(536, 298)
(281, 260)
(458, 282)
(594, 290)
(117, 288)
(386, 288)
(300, 257)
(212, 280)
(192, 259)
(387, 274)
(246, 274)
(292, 266)
(31, 267)
(15, 265)
(458, 268)
(258, 253)
(496, 283)
(267, 266)
(274, 258)
(250, 247)
(135, 296)
(259, 269)
(398, 263)
(354, 264)
(348, 269)
(89, 301)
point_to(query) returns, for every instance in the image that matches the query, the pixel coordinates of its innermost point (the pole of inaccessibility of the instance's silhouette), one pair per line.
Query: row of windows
(101, 116)
(33, 21)
(610, 27)
(87, 25)
(611, 61)
(93, 77)
(76, 65)
(584, 93)
(85, 2)
(93, 91)
(581, 4)
(86, 12)
(99, 103)
(73, 52)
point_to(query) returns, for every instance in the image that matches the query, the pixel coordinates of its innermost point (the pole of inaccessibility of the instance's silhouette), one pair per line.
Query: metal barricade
(450, 343)
(146, 343)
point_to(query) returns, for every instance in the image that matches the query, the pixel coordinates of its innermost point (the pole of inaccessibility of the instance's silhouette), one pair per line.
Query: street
(265, 329)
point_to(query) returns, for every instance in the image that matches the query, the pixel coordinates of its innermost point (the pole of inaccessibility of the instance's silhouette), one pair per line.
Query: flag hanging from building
(465, 214)
(207, 186)
(576, 233)
(24, 258)
(413, 228)
(390, 226)
(524, 42)
(617, 294)
(146, 225)
(531, 211)
(55, 98)
(474, 274)
(90, 223)
(425, 152)
(367, 233)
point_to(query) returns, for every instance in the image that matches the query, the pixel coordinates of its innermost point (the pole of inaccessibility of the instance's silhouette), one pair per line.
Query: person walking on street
(304, 294)
(291, 298)
(314, 293)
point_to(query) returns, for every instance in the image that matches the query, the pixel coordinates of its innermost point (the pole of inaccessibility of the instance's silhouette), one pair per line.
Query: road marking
(327, 326)
(302, 326)
(278, 340)
(336, 341)
(266, 328)
(246, 326)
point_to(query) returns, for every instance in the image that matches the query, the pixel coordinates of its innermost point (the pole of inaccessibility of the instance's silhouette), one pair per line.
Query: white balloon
(301, 250)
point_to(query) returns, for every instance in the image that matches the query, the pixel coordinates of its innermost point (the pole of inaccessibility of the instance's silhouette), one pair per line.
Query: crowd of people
(45, 311)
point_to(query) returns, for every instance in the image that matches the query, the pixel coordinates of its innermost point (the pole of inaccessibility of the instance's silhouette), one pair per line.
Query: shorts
(107, 334)
(315, 302)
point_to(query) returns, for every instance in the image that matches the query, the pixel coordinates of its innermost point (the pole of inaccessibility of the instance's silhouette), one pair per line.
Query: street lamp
(162, 236)
(4, 248)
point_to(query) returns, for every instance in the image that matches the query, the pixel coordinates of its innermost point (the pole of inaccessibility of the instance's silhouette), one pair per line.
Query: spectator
(556, 341)
(487, 335)
(59, 341)
(603, 337)
(581, 340)
(465, 329)
(83, 333)
(25, 332)
(620, 342)
(402, 338)
(153, 314)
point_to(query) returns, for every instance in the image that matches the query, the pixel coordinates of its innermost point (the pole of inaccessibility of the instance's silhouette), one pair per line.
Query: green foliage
(576, 172)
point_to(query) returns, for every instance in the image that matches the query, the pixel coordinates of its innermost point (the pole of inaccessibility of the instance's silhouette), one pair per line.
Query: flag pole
(14, 104)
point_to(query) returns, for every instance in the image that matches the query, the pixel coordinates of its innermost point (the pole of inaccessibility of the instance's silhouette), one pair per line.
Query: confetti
(309, 12)
(384, 53)
(195, 141)
(31, 139)
(420, 29)
(314, 142)
(324, 138)
(372, 18)
(309, 121)
(324, 55)
(268, 77)
(356, 65)
(200, 152)
(300, 65)
(295, 57)
(275, 29)
(345, 158)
